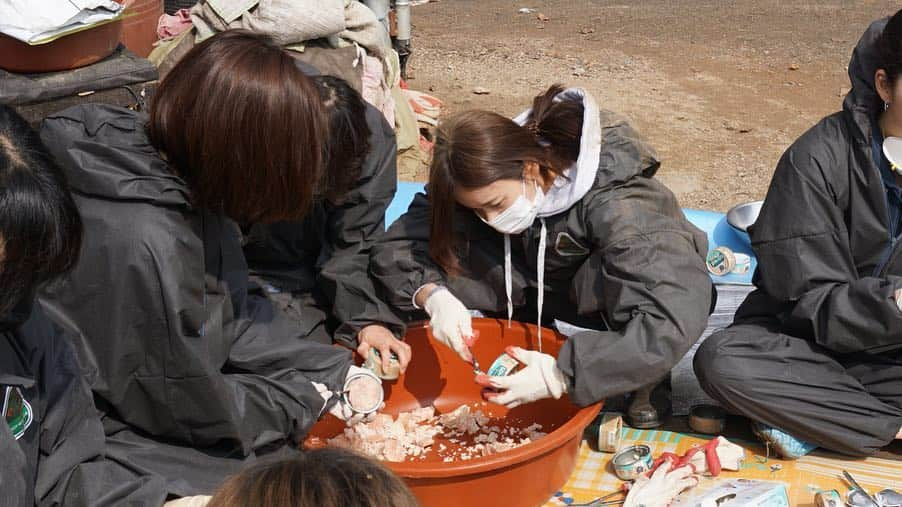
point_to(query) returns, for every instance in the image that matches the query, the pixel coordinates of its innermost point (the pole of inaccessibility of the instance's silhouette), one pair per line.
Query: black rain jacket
(326, 255)
(828, 262)
(59, 459)
(623, 259)
(174, 345)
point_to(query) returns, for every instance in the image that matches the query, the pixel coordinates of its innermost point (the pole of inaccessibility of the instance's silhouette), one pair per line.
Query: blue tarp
(720, 233)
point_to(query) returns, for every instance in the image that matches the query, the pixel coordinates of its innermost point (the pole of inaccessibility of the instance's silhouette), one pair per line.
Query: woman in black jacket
(814, 356)
(317, 268)
(555, 215)
(51, 438)
(194, 374)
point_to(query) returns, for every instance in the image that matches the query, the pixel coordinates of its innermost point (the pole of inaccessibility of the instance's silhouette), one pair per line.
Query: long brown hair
(243, 126)
(476, 148)
(328, 477)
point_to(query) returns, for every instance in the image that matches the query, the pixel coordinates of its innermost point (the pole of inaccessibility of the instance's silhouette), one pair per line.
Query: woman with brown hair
(194, 375)
(555, 213)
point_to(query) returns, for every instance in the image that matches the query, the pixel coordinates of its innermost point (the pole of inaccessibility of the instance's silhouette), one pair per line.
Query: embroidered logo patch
(17, 411)
(566, 246)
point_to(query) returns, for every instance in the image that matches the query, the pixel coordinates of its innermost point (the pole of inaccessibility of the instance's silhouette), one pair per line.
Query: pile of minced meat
(412, 435)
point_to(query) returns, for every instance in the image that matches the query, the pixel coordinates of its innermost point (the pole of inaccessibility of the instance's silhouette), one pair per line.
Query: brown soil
(719, 88)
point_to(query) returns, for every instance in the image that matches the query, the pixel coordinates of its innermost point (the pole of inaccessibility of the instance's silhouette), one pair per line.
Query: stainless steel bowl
(743, 216)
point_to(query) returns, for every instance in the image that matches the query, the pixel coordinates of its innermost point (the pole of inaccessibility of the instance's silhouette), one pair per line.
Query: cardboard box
(737, 493)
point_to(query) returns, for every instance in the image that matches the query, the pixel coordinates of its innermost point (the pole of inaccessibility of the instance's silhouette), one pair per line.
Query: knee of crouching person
(711, 363)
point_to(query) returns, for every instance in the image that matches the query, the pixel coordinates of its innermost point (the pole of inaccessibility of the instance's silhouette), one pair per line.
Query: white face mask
(892, 149)
(519, 216)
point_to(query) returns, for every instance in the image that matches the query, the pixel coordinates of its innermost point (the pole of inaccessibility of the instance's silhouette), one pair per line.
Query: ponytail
(557, 126)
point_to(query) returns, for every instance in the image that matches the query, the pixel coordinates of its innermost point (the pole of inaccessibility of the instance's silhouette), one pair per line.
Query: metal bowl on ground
(743, 216)
(525, 476)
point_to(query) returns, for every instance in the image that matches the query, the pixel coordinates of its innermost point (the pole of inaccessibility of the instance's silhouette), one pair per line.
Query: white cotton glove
(340, 409)
(729, 456)
(450, 322)
(661, 488)
(541, 378)
(189, 501)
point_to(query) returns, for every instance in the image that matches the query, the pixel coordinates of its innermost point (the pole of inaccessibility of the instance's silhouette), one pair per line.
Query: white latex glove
(189, 501)
(541, 378)
(661, 488)
(450, 322)
(729, 454)
(340, 409)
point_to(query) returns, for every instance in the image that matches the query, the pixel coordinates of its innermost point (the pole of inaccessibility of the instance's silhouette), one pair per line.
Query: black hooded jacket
(828, 265)
(623, 259)
(173, 344)
(327, 254)
(58, 458)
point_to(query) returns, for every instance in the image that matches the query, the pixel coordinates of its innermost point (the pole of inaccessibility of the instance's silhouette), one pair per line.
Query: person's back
(194, 375)
(51, 435)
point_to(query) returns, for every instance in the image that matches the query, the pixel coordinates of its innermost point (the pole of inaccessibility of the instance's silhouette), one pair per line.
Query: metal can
(743, 263)
(708, 419)
(720, 261)
(374, 362)
(609, 432)
(830, 498)
(631, 462)
(363, 392)
(503, 365)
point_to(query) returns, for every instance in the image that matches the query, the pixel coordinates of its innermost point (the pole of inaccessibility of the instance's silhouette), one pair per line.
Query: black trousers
(850, 404)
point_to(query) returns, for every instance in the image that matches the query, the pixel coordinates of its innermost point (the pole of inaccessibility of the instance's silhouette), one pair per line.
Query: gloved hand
(541, 378)
(710, 458)
(661, 488)
(340, 409)
(450, 322)
(729, 457)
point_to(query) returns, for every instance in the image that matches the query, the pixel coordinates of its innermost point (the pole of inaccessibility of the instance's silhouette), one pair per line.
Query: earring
(886, 106)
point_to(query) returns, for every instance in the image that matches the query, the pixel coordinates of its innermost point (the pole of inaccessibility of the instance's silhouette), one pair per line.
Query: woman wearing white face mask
(554, 215)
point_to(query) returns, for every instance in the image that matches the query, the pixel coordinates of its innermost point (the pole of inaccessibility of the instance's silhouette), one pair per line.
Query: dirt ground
(720, 88)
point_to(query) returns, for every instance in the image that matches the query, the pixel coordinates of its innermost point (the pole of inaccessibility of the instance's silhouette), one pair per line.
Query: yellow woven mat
(803, 478)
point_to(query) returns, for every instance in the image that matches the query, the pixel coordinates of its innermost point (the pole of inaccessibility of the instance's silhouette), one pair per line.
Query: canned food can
(374, 363)
(720, 261)
(830, 498)
(363, 392)
(503, 365)
(631, 462)
(743, 263)
(609, 432)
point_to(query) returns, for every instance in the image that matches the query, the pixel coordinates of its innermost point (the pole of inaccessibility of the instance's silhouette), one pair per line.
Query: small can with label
(609, 432)
(502, 366)
(632, 461)
(743, 263)
(720, 261)
(830, 498)
(374, 363)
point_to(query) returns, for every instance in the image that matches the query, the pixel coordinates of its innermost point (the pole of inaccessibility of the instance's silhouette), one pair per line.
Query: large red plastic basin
(525, 476)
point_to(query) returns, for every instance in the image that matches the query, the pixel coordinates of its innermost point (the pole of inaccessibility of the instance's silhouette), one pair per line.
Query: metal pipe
(402, 14)
(380, 8)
